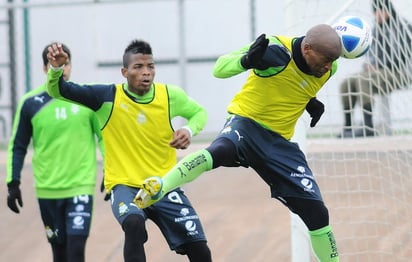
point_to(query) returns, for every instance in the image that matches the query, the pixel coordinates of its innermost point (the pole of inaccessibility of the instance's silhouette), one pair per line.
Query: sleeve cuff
(188, 129)
(57, 68)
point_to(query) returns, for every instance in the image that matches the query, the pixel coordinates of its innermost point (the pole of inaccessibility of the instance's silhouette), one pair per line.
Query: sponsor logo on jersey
(195, 162)
(78, 222)
(191, 228)
(301, 173)
(307, 184)
(39, 99)
(333, 245)
(124, 106)
(238, 135)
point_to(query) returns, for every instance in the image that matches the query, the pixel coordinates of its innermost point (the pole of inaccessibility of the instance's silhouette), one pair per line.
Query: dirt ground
(241, 221)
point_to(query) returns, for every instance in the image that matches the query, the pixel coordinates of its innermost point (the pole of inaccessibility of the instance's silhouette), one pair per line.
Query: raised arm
(93, 96)
(266, 55)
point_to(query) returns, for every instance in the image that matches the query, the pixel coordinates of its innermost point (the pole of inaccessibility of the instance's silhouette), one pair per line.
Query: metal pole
(253, 19)
(12, 60)
(182, 45)
(27, 54)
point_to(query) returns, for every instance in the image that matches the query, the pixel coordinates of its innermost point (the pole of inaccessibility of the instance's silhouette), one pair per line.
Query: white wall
(98, 33)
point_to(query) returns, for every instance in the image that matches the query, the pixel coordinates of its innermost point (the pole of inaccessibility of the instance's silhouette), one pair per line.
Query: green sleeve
(334, 67)
(52, 83)
(184, 106)
(98, 132)
(229, 64)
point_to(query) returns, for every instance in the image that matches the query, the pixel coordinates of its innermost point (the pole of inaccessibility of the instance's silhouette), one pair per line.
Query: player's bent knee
(196, 251)
(313, 213)
(317, 216)
(223, 152)
(135, 225)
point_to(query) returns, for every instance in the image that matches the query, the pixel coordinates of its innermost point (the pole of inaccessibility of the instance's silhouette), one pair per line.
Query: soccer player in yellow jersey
(286, 74)
(140, 142)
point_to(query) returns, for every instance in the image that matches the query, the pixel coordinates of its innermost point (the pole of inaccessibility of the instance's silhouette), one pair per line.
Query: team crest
(123, 209)
(226, 130)
(141, 118)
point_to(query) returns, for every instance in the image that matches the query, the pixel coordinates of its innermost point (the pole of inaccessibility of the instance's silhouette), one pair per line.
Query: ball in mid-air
(355, 35)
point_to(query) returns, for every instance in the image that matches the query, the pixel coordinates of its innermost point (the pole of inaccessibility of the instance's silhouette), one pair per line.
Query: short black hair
(45, 51)
(136, 47)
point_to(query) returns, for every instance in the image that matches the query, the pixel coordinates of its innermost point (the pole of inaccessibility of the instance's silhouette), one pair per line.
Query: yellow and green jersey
(145, 132)
(277, 96)
(136, 129)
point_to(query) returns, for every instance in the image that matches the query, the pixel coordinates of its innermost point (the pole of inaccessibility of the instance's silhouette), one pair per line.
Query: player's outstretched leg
(186, 170)
(150, 193)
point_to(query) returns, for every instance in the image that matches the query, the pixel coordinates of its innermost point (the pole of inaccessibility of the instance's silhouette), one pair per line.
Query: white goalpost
(366, 180)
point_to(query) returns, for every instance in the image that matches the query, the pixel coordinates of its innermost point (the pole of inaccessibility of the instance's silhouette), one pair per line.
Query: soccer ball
(355, 35)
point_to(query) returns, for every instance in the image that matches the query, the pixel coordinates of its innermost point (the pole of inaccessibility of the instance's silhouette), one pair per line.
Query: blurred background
(366, 181)
(186, 35)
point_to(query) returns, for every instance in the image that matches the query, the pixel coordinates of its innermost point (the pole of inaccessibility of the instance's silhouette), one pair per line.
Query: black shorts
(67, 216)
(280, 162)
(173, 214)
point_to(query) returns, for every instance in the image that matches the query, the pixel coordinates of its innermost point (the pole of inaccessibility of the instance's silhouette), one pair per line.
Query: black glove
(14, 194)
(253, 59)
(315, 109)
(107, 195)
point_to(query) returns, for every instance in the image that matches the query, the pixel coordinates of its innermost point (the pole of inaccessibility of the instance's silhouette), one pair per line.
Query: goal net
(361, 154)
